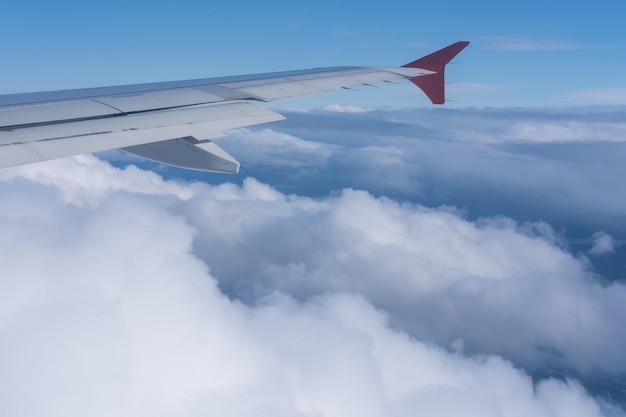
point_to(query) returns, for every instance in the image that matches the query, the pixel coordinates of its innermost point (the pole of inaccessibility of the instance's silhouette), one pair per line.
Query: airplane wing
(174, 122)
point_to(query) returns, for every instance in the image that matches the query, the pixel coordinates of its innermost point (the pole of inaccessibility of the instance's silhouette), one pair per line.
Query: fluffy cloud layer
(113, 303)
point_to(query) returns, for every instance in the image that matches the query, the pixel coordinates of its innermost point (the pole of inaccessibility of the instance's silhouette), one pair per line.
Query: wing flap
(188, 153)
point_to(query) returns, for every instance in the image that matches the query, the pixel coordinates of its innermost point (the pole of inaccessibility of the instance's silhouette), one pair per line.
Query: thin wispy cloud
(453, 89)
(609, 95)
(352, 31)
(467, 87)
(344, 109)
(514, 43)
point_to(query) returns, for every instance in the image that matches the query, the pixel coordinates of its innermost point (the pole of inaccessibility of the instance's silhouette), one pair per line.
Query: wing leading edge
(173, 122)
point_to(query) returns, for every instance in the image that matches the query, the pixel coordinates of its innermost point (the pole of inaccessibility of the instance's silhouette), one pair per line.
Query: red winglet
(433, 85)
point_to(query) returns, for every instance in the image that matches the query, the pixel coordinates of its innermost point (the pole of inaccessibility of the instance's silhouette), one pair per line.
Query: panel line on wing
(108, 105)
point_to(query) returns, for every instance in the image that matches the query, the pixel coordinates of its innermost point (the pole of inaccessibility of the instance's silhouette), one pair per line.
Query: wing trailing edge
(44, 142)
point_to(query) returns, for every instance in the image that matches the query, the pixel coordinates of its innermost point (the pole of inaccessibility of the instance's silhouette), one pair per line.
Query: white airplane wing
(174, 122)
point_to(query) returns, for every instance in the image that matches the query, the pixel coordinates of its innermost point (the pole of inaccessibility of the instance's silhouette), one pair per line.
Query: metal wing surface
(174, 122)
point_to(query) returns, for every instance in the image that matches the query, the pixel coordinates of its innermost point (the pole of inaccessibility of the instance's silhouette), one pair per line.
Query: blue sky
(377, 255)
(525, 54)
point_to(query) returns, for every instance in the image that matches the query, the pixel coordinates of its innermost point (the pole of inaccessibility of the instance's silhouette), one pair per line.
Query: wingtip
(438, 59)
(433, 85)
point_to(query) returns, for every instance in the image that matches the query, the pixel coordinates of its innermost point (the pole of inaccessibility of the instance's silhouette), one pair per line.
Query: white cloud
(269, 147)
(343, 109)
(377, 168)
(89, 181)
(602, 243)
(439, 276)
(419, 264)
(106, 309)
